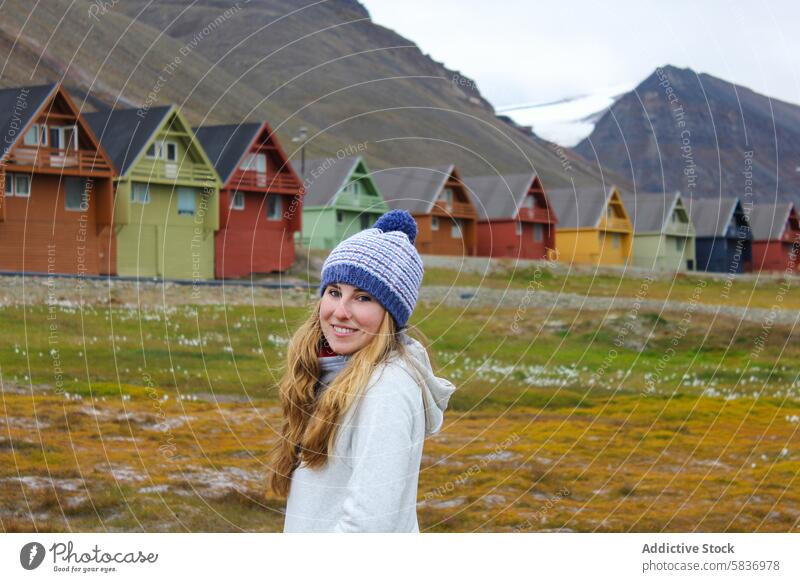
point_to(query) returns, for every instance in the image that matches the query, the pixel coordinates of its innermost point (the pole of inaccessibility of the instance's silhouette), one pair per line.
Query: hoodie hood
(436, 392)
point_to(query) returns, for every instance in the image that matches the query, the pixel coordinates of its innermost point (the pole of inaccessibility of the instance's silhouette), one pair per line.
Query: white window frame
(160, 149)
(274, 209)
(183, 197)
(455, 229)
(137, 199)
(250, 162)
(80, 207)
(40, 131)
(446, 196)
(518, 227)
(61, 131)
(17, 178)
(237, 195)
(434, 223)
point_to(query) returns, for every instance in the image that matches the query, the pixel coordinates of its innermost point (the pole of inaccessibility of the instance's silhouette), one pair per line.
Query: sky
(532, 52)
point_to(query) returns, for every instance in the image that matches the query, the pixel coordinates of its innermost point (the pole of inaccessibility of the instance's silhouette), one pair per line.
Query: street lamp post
(301, 138)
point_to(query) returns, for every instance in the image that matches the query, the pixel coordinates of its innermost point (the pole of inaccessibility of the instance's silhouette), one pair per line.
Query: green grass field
(161, 419)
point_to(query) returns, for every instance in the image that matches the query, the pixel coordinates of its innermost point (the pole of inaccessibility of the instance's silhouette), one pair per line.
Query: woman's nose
(341, 312)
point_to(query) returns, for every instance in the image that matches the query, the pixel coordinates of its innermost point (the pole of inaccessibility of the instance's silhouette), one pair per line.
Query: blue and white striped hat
(382, 261)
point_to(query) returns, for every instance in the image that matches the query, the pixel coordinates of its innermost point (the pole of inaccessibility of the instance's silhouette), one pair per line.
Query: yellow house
(593, 226)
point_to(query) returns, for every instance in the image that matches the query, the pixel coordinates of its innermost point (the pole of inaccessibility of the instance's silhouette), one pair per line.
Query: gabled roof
(499, 196)
(650, 212)
(413, 188)
(711, 216)
(582, 207)
(768, 221)
(19, 106)
(325, 178)
(226, 145)
(124, 133)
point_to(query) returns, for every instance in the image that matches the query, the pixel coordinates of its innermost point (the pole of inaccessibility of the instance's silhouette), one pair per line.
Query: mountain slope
(325, 66)
(699, 134)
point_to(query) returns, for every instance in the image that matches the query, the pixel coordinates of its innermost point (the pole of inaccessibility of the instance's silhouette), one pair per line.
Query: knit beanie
(382, 261)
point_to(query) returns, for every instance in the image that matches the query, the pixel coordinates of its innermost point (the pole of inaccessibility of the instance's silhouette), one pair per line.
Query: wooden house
(593, 226)
(440, 203)
(341, 199)
(723, 238)
(776, 237)
(167, 193)
(514, 216)
(56, 186)
(260, 201)
(663, 233)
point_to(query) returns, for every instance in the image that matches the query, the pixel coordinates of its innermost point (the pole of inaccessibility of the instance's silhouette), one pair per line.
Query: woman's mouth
(342, 331)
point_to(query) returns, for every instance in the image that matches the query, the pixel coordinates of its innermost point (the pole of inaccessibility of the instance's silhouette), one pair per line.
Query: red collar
(325, 351)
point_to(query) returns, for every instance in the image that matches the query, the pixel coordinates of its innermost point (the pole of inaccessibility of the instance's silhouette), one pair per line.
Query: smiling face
(350, 318)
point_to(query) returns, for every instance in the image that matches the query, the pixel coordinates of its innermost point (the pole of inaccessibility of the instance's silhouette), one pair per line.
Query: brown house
(440, 203)
(56, 187)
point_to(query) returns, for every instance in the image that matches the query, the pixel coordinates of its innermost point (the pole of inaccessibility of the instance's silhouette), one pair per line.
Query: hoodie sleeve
(383, 447)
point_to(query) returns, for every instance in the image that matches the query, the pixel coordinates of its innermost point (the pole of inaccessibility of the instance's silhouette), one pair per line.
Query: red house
(56, 187)
(515, 216)
(260, 202)
(776, 237)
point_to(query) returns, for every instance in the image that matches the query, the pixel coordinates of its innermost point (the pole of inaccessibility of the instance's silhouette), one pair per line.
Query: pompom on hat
(382, 261)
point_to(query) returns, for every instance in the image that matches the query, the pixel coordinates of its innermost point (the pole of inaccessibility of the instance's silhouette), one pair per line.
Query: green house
(166, 206)
(663, 233)
(340, 199)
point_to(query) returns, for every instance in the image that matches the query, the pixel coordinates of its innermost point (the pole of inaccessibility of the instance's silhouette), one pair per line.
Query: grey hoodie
(369, 482)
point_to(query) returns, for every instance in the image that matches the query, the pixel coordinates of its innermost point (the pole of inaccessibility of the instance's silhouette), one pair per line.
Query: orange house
(440, 203)
(515, 216)
(56, 187)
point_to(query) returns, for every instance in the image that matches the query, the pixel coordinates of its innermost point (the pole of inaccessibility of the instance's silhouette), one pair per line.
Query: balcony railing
(537, 214)
(249, 179)
(42, 158)
(455, 208)
(160, 170)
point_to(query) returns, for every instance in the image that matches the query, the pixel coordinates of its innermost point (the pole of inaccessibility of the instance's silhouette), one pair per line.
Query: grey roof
(650, 212)
(123, 133)
(582, 207)
(226, 145)
(711, 216)
(325, 177)
(769, 220)
(412, 188)
(498, 196)
(18, 107)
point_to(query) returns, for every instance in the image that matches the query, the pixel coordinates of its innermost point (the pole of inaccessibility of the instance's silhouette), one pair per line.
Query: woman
(359, 396)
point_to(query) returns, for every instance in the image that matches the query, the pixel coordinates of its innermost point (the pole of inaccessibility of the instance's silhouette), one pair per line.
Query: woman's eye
(364, 298)
(333, 292)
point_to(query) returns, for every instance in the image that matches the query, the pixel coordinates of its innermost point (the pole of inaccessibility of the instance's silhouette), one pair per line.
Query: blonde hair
(309, 423)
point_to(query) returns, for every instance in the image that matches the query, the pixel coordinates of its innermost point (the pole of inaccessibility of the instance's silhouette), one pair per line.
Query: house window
(63, 138)
(519, 228)
(77, 197)
(22, 186)
(455, 229)
(237, 201)
(18, 185)
(254, 163)
(36, 135)
(434, 223)
(187, 201)
(616, 240)
(447, 197)
(529, 202)
(339, 217)
(274, 207)
(162, 150)
(679, 244)
(365, 221)
(140, 193)
(538, 231)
